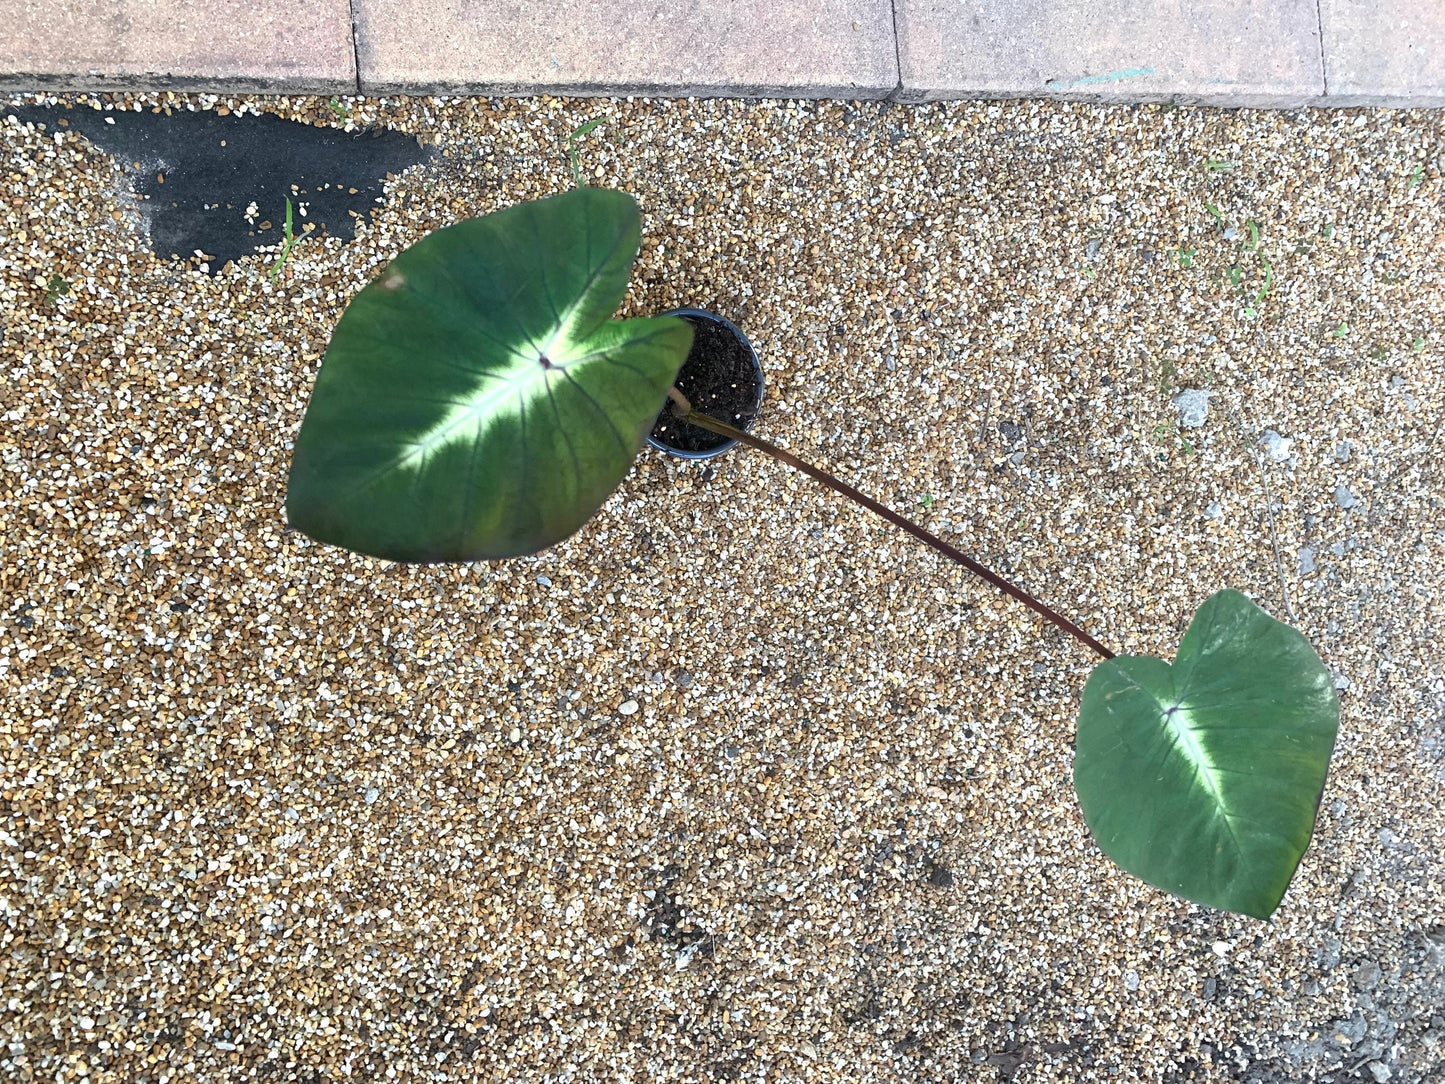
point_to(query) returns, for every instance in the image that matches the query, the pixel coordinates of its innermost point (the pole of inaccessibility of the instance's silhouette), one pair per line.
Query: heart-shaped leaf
(477, 400)
(1203, 778)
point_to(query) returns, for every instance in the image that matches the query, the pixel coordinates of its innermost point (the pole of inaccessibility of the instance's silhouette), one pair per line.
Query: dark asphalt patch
(197, 174)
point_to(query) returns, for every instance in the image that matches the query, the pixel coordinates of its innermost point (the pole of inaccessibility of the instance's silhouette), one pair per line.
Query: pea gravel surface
(738, 784)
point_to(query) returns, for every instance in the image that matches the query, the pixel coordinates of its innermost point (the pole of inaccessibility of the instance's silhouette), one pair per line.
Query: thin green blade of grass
(289, 243)
(1268, 282)
(572, 141)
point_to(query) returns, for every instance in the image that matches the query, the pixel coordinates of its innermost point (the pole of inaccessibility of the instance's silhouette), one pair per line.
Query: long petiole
(683, 410)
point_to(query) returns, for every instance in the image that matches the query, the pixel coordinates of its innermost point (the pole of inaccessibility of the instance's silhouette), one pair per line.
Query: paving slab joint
(355, 47)
(897, 91)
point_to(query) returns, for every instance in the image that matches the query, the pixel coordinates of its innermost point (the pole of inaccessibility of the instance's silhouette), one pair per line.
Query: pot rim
(705, 314)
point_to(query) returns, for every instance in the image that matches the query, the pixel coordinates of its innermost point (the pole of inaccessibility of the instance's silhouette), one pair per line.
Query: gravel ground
(737, 784)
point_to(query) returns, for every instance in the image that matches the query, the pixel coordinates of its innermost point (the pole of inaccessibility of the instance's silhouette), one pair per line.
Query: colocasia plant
(478, 401)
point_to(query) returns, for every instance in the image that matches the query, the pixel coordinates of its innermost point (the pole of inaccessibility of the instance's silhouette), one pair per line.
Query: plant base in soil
(720, 380)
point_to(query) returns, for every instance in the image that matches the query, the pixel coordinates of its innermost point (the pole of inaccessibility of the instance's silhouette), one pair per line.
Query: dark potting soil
(719, 380)
(195, 174)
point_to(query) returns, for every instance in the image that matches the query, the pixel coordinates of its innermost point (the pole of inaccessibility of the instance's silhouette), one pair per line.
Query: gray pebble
(1276, 446)
(1092, 248)
(1342, 452)
(1131, 980)
(1306, 560)
(1231, 233)
(1367, 975)
(1193, 407)
(1344, 498)
(1380, 1071)
(1352, 1029)
(372, 794)
(1340, 681)
(684, 679)
(1213, 510)
(544, 581)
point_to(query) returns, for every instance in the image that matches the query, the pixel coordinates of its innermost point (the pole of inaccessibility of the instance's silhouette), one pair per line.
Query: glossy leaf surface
(477, 400)
(1204, 777)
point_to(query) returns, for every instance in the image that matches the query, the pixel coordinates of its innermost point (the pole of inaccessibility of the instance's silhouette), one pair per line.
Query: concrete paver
(1384, 52)
(840, 48)
(1271, 53)
(178, 44)
(1226, 52)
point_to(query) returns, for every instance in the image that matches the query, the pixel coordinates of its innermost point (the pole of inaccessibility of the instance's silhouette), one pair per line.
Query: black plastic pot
(721, 378)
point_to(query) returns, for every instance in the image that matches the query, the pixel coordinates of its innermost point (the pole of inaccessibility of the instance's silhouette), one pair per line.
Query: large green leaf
(1203, 778)
(477, 400)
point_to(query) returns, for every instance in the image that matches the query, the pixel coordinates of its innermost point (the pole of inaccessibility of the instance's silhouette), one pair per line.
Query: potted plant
(478, 401)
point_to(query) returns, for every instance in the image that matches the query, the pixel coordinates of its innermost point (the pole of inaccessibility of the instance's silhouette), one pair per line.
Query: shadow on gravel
(219, 184)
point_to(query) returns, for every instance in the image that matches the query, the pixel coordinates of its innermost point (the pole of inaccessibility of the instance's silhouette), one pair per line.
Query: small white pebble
(627, 707)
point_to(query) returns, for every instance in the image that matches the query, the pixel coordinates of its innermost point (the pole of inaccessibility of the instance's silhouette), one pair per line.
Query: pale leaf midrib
(1186, 744)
